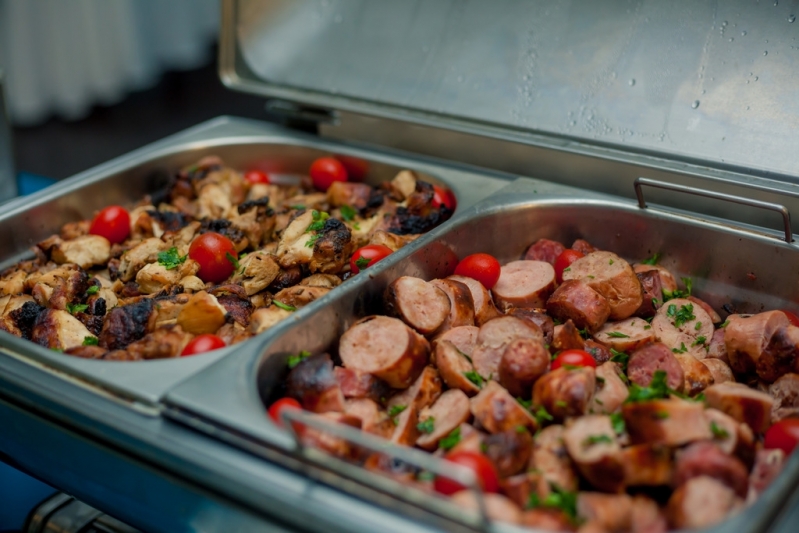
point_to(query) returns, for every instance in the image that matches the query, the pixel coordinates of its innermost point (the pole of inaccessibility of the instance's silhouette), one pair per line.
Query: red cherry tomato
(367, 256)
(783, 435)
(113, 223)
(277, 408)
(325, 171)
(445, 197)
(482, 267)
(792, 317)
(203, 343)
(566, 258)
(356, 168)
(573, 358)
(481, 465)
(256, 176)
(216, 255)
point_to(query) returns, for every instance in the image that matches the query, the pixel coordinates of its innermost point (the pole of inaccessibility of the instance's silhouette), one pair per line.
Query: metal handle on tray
(415, 458)
(779, 208)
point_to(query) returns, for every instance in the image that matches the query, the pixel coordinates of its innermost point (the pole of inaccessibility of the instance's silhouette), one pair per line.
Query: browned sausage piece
(592, 445)
(425, 390)
(667, 280)
(652, 293)
(768, 465)
(647, 516)
(707, 459)
(567, 337)
(539, 317)
(406, 422)
(700, 503)
(552, 460)
(522, 363)
(448, 412)
(373, 419)
(647, 465)
(497, 507)
(656, 356)
(524, 284)
(313, 383)
(612, 277)
(494, 336)
(421, 305)
(461, 306)
(780, 354)
(611, 512)
(746, 405)
(330, 443)
(454, 367)
(484, 308)
(519, 487)
(546, 519)
(684, 326)
(785, 392)
(599, 352)
(745, 338)
(471, 440)
(510, 451)
(584, 247)
(496, 410)
(544, 250)
(720, 370)
(576, 301)
(385, 347)
(669, 422)
(464, 338)
(626, 335)
(714, 316)
(731, 436)
(610, 389)
(697, 376)
(717, 349)
(565, 392)
(360, 385)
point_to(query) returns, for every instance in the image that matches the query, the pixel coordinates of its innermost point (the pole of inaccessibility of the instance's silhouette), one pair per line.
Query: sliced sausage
(313, 383)
(551, 458)
(564, 392)
(544, 250)
(471, 440)
(610, 512)
(668, 422)
(592, 445)
(524, 284)
(714, 316)
(454, 367)
(610, 389)
(652, 292)
(464, 338)
(645, 361)
(744, 404)
(494, 336)
(576, 301)
(647, 465)
(484, 308)
(406, 431)
(547, 519)
(647, 516)
(612, 277)
(707, 459)
(510, 451)
(496, 410)
(779, 355)
(720, 370)
(599, 352)
(425, 390)
(583, 246)
(745, 338)
(785, 392)
(667, 279)
(329, 443)
(373, 419)
(420, 304)
(461, 306)
(520, 486)
(700, 503)
(567, 337)
(448, 412)
(626, 335)
(768, 465)
(522, 363)
(497, 507)
(360, 385)
(539, 317)
(733, 437)
(717, 349)
(385, 347)
(682, 325)
(697, 376)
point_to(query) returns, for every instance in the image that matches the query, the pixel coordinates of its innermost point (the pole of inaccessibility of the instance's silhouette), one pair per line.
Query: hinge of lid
(298, 116)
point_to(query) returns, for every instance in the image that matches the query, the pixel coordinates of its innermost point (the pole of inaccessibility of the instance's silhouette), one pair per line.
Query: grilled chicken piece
(58, 287)
(564, 392)
(213, 202)
(155, 277)
(128, 323)
(86, 251)
(164, 342)
(352, 194)
(266, 317)
(395, 242)
(418, 215)
(592, 445)
(325, 281)
(300, 296)
(24, 317)
(257, 271)
(13, 282)
(744, 404)
(233, 333)
(239, 309)
(57, 329)
(87, 352)
(332, 249)
(313, 383)
(403, 185)
(700, 503)
(72, 230)
(202, 314)
(670, 422)
(293, 249)
(496, 410)
(134, 259)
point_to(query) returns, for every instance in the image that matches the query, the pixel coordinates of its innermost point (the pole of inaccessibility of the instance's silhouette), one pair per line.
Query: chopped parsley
(312, 240)
(297, 206)
(584, 333)
(318, 221)
(617, 335)
(527, 404)
(621, 358)
(449, 442)
(362, 263)
(567, 269)
(698, 326)
(562, 404)
(94, 289)
(296, 359)
(718, 432)
(724, 324)
(475, 378)
(689, 285)
(521, 429)
(661, 415)
(700, 340)
(427, 426)
(681, 316)
(76, 308)
(617, 420)
(652, 260)
(563, 500)
(610, 261)
(681, 349)
(90, 341)
(655, 302)
(425, 475)
(283, 306)
(541, 415)
(171, 259)
(394, 412)
(233, 260)
(658, 388)
(348, 213)
(596, 439)
(647, 327)
(600, 380)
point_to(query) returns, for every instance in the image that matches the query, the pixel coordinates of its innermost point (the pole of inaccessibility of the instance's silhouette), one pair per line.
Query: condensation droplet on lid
(703, 91)
(747, 108)
(724, 24)
(765, 52)
(756, 78)
(695, 104)
(743, 33)
(791, 18)
(632, 82)
(732, 39)
(573, 123)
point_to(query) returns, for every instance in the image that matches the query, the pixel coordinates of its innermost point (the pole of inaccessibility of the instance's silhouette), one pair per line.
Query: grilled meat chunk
(127, 324)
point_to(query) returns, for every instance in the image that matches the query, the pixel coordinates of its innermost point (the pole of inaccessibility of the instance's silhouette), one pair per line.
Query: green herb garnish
(700, 340)
(698, 326)
(76, 308)
(449, 442)
(724, 324)
(596, 439)
(718, 432)
(652, 260)
(658, 388)
(617, 335)
(682, 316)
(621, 358)
(681, 349)
(541, 415)
(348, 213)
(427, 426)
(172, 259)
(561, 403)
(296, 359)
(94, 289)
(318, 221)
(557, 499)
(297, 206)
(362, 263)
(394, 411)
(90, 341)
(475, 378)
(661, 415)
(312, 240)
(283, 306)
(617, 420)
(233, 260)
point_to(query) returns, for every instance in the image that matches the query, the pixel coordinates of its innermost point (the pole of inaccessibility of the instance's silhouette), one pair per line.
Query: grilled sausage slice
(707, 459)
(564, 393)
(780, 354)
(714, 316)
(406, 431)
(731, 436)
(746, 405)
(717, 349)
(464, 338)
(448, 412)
(720, 370)
(454, 367)
(497, 506)
(668, 422)
(626, 335)
(519, 487)
(522, 363)
(385, 347)
(592, 445)
(584, 247)
(551, 458)
(524, 284)
(610, 389)
(544, 250)
(420, 304)
(484, 308)
(682, 325)
(785, 392)
(768, 465)
(313, 383)
(373, 419)
(652, 292)
(539, 317)
(496, 410)
(612, 277)
(645, 361)
(576, 301)
(461, 305)
(700, 503)
(425, 390)
(647, 465)
(667, 280)
(494, 336)
(510, 451)
(358, 385)
(697, 376)
(745, 338)
(567, 337)
(330, 443)
(609, 512)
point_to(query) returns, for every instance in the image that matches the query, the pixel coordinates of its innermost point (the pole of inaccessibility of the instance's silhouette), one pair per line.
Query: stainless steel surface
(242, 144)
(710, 82)
(39, 516)
(64, 514)
(731, 265)
(8, 178)
(777, 208)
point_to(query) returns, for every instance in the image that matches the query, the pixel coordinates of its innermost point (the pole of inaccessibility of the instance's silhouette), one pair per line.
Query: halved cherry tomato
(573, 358)
(482, 267)
(356, 167)
(216, 255)
(277, 408)
(783, 435)
(791, 316)
(482, 466)
(325, 171)
(256, 176)
(445, 197)
(203, 343)
(564, 260)
(113, 223)
(367, 256)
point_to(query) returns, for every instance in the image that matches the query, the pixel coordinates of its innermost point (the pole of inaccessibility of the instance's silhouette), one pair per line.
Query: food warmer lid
(710, 82)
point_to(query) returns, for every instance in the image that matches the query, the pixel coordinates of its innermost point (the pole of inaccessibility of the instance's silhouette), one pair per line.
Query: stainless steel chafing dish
(586, 98)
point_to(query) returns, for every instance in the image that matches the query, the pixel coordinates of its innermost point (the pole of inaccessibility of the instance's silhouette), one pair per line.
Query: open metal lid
(709, 82)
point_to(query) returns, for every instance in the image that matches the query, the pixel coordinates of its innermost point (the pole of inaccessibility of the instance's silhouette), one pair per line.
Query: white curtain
(63, 56)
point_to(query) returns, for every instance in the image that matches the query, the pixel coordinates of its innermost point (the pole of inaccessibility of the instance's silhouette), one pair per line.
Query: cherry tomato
(356, 168)
(481, 465)
(113, 223)
(203, 343)
(566, 258)
(482, 267)
(277, 408)
(783, 435)
(256, 176)
(573, 358)
(445, 197)
(216, 255)
(792, 317)
(325, 171)
(367, 256)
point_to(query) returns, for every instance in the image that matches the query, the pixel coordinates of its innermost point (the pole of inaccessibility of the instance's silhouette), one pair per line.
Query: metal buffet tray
(741, 266)
(241, 144)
